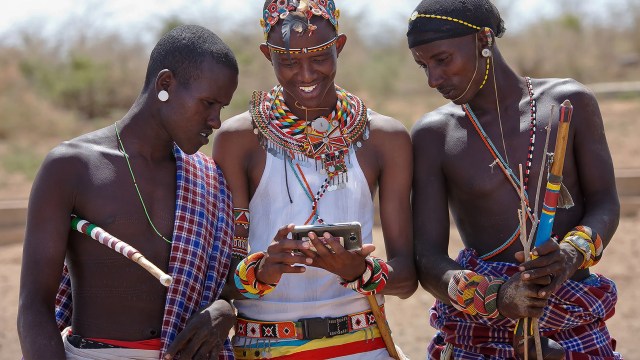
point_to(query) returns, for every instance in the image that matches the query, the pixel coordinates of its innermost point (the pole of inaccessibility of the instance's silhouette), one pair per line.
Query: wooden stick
(554, 181)
(385, 331)
(527, 256)
(128, 251)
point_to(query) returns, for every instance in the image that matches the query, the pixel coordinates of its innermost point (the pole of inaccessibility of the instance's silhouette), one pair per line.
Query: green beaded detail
(126, 157)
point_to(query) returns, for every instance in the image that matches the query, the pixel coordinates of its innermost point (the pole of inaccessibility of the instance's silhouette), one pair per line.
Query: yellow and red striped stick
(99, 234)
(528, 327)
(554, 180)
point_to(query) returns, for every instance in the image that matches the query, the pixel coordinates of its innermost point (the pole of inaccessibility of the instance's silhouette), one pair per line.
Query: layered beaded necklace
(325, 140)
(135, 184)
(504, 166)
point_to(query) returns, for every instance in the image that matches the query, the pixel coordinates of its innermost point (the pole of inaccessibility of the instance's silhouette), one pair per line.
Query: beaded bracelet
(587, 242)
(373, 280)
(240, 247)
(475, 294)
(245, 277)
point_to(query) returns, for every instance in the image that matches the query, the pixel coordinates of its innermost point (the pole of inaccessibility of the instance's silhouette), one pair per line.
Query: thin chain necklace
(126, 157)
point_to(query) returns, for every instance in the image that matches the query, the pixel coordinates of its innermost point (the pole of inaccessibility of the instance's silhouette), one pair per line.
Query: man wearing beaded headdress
(310, 152)
(466, 155)
(176, 211)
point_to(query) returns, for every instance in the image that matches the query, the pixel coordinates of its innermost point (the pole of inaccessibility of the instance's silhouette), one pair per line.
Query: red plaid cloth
(200, 250)
(574, 317)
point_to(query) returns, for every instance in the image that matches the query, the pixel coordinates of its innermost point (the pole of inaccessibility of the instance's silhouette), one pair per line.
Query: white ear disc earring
(164, 95)
(486, 52)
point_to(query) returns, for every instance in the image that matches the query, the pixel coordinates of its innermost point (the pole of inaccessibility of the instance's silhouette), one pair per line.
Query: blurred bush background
(83, 77)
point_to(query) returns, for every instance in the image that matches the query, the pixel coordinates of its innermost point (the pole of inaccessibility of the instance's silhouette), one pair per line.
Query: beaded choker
(326, 140)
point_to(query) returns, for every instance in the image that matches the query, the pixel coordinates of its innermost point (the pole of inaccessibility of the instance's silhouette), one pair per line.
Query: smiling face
(307, 78)
(196, 106)
(452, 66)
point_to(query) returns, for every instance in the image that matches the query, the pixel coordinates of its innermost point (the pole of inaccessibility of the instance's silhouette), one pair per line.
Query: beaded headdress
(302, 11)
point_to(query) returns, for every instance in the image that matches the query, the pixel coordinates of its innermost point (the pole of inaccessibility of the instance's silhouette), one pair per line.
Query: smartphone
(350, 233)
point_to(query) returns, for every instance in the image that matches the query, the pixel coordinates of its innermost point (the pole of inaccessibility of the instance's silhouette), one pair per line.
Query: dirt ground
(408, 318)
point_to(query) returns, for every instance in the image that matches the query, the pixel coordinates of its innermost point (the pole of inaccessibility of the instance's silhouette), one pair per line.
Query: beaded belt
(307, 329)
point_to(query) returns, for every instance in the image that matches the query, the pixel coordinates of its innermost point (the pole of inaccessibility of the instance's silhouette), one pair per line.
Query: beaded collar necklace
(326, 140)
(135, 184)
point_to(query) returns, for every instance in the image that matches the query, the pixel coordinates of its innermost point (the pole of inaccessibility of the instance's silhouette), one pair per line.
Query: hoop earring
(486, 52)
(163, 95)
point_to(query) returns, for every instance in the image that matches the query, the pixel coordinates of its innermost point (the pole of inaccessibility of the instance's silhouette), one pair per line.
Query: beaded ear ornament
(302, 10)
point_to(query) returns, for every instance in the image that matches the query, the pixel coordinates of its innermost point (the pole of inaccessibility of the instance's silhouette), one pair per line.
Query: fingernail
(521, 268)
(535, 253)
(526, 276)
(309, 260)
(542, 293)
(306, 245)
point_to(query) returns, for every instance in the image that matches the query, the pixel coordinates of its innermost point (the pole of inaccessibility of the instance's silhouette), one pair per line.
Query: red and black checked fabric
(200, 250)
(575, 318)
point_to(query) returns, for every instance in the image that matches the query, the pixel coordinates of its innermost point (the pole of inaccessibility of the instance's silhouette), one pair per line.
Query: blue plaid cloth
(200, 251)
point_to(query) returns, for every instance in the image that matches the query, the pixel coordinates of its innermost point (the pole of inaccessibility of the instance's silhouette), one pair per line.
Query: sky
(133, 17)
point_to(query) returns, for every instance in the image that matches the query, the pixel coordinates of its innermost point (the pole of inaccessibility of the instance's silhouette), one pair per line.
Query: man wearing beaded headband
(309, 152)
(176, 210)
(463, 156)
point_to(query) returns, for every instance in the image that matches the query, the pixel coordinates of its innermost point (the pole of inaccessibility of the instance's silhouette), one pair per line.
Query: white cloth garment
(74, 353)
(316, 292)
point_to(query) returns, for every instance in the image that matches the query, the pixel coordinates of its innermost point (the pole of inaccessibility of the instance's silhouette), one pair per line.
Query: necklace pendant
(320, 125)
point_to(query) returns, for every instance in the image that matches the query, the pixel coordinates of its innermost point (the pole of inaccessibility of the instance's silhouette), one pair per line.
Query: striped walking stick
(104, 238)
(552, 194)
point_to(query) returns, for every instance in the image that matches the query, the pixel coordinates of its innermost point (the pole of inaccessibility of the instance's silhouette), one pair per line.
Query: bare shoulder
(387, 131)
(237, 123)
(554, 91)
(80, 151)
(385, 124)
(560, 89)
(235, 138)
(434, 126)
(236, 128)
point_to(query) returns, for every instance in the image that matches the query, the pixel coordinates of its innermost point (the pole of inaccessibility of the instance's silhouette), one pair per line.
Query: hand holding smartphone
(350, 233)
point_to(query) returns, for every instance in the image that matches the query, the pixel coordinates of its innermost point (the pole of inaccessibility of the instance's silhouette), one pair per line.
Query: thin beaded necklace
(504, 165)
(126, 157)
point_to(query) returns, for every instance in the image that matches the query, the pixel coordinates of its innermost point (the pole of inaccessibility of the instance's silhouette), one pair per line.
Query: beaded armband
(475, 294)
(245, 277)
(240, 248)
(373, 280)
(587, 242)
(241, 217)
